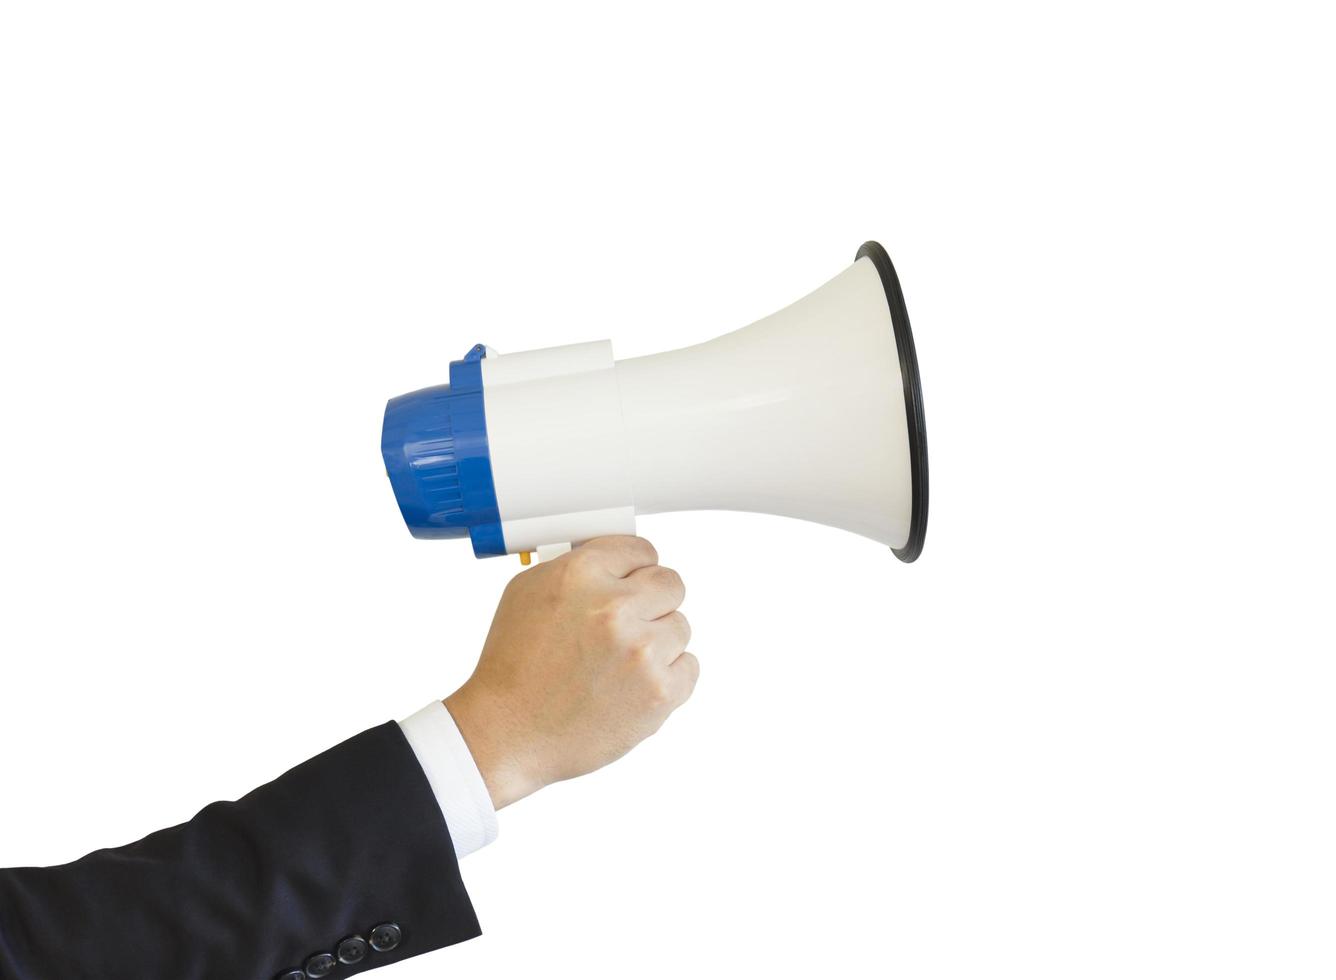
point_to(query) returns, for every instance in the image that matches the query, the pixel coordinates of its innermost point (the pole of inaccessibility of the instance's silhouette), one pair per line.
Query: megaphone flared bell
(814, 412)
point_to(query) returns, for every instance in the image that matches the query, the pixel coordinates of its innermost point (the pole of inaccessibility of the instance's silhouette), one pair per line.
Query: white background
(1089, 734)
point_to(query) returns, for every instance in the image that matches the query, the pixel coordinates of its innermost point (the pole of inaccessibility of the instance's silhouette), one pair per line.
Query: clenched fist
(586, 657)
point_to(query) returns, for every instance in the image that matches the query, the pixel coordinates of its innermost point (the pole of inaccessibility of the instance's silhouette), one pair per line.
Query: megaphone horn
(814, 412)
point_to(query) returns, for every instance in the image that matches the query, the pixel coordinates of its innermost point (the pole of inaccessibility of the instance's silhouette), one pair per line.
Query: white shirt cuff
(454, 777)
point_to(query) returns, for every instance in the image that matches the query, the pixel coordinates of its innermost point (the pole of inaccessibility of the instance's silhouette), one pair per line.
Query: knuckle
(693, 666)
(576, 563)
(685, 625)
(673, 582)
(660, 692)
(641, 653)
(609, 618)
(562, 577)
(641, 548)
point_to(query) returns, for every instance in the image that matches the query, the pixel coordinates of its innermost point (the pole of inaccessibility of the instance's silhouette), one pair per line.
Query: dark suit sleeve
(252, 890)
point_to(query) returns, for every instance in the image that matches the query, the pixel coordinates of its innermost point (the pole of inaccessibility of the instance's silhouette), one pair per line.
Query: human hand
(585, 659)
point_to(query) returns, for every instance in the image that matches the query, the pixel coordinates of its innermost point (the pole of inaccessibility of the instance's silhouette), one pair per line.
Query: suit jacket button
(320, 965)
(386, 937)
(292, 975)
(352, 950)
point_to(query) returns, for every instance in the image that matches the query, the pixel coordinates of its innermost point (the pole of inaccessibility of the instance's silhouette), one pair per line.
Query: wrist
(489, 731)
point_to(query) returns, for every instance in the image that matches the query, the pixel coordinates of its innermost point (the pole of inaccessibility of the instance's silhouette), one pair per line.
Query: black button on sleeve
(386, 937)
(352, 950)
(320, 965)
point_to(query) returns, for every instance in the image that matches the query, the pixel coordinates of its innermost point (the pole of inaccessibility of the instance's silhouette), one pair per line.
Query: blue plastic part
(434, 442)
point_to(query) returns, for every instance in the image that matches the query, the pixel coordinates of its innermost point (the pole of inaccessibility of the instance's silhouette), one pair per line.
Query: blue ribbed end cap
(434, 442)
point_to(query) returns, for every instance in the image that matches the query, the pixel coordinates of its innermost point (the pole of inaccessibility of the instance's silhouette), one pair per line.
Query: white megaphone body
(814, 412)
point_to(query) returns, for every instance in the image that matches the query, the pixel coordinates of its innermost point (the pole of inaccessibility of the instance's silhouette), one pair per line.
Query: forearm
(586, 657)
(342, 843)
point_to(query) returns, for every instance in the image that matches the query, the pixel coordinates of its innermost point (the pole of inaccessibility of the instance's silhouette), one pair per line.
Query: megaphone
(814, 412)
